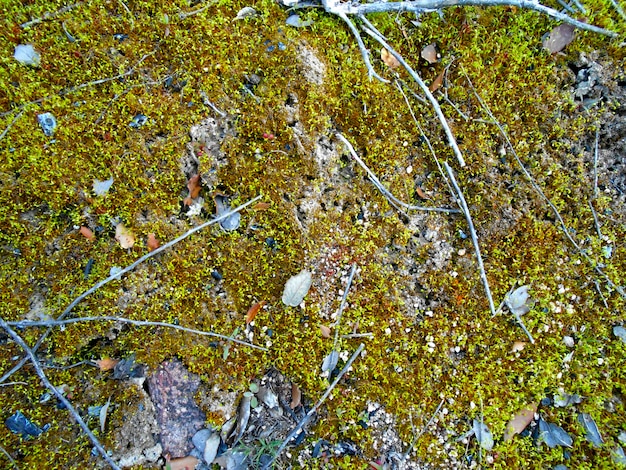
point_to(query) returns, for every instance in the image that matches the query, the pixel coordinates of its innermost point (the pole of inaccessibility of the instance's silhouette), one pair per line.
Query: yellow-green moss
(499, 50)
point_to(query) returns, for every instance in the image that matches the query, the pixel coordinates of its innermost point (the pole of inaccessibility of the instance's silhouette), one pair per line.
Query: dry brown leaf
(194, 186)
(430, 53)
(296, 396)
(106, 364)
(152, 242)
(420, 192)
(261, 206)
(124, 236)
(253, 311)
(558, 38)
(183, 463)
(520, 421)
(388, 59)
(517, 346)
(325, 331)
(437, 82)
(188, 201)
(87, 233)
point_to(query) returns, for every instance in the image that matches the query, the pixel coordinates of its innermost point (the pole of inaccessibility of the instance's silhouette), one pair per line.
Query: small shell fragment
(48, 123)
(430, 53)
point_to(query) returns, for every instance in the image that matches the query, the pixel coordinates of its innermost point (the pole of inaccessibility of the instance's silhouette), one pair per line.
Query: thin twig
(48, 15)
(8, 456)
(33, 359)
(343, 304)
(371, 30)
(384, 190)
(67, 91)
(69, 321)
(338, 7)
(423, 134)
(17, 116)
(595, 219)
(357, 335)
(468, 218)
(312, 411)
(539, 191)
(130, 13)
(182, 15)
(415, 438)
(618, 8)
(597, 284)
(595, 165)
(364, 52)
(123, 271)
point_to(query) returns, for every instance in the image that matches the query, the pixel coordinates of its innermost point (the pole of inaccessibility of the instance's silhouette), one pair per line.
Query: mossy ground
(46, 191)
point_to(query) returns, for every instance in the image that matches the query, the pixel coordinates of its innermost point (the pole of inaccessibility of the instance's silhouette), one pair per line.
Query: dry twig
(315, 407)
(33, 359)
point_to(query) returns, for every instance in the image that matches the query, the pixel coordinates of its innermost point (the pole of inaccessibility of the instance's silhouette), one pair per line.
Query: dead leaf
(520, 421)
(106, 364)
(194, 186)
(325, 331)
(517, 346)
(559, 38)
(296, 396)
(103, 414)
(388, 59)
(87, 233)
(188, 201)
(420, 192)
(430, 53)
(437, 82)
(261, 206)
(253, 311)
(124, 236)
(152, 243)
(183, 463)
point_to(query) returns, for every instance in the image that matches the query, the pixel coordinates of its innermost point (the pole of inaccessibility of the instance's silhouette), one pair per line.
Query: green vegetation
(45, 192)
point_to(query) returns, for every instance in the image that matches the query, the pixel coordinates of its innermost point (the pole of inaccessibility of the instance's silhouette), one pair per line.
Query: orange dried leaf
(152, 242)
(106, 364)
(437, 82)
(261, 206)
(520, 421)
(87, 233)
(253, 311)
(183, 463)
(194, 186)
(124, 236)
(296, 396)
(420, 192)
(388, 59)
(430, 53)
(188, 201)
(325, 331)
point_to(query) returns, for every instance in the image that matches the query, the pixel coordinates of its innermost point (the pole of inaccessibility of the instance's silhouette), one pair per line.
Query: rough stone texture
(172, 389)
(136, 441)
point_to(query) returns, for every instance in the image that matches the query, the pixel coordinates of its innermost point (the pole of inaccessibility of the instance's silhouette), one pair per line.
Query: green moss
(46, 191)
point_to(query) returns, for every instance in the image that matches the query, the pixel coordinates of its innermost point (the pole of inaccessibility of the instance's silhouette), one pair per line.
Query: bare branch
(312, 411)
(48, 15)
(539, 191)
(90, 291)
(392, 199)
(69, 321)
(33, 359)
(369, 29)
(468, 218)
(419, 6)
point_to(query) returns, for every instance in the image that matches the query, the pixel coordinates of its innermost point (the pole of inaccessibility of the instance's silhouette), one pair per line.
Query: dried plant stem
(416, 438)
(392, 199)
(112, 277)
(48, 15)
(33, 359)
(373, 32)
(337, 7)
(468, 218)
(69, 321)
(539, 191)
(315, 407)
(343, 304)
